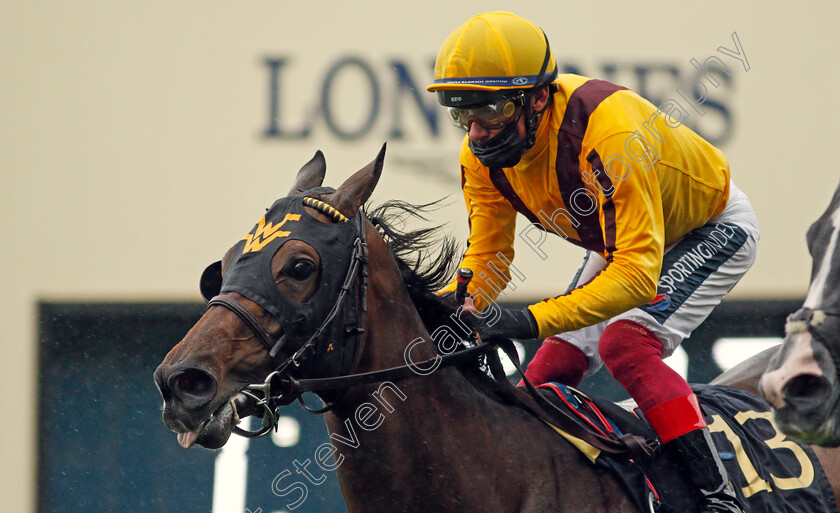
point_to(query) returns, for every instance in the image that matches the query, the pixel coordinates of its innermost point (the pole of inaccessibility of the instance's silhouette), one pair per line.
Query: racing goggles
(492, 116)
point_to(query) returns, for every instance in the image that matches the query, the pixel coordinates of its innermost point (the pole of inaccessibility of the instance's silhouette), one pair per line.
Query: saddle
(610, 420)
(770, 472)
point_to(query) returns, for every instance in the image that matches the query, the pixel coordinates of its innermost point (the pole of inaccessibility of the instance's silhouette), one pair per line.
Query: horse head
(287, 300)
(801, 381)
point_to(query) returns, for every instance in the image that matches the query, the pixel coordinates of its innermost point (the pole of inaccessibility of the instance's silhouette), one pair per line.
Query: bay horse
(441, 438)
(801, 381)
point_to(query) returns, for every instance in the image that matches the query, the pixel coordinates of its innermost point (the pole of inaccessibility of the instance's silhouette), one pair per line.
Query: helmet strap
(545, 62)
(532, 118)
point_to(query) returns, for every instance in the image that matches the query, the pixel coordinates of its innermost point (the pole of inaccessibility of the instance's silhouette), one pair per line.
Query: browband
(324, 208)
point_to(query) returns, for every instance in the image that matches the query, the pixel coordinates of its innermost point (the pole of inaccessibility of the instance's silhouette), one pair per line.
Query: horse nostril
(807, 391)
(162, 385)
(194, 386)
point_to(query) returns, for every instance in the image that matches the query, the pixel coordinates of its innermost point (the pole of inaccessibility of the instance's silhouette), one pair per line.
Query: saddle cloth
(770, 472)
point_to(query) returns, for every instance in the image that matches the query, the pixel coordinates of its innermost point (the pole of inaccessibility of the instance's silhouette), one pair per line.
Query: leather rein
(280, 388)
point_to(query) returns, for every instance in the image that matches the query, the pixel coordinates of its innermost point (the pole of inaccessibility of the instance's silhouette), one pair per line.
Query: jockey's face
(479, 134)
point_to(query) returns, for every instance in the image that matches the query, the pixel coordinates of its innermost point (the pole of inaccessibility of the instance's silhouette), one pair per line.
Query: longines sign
(388, 92)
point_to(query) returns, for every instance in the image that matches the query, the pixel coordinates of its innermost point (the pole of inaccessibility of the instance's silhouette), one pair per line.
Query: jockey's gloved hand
(497, 322)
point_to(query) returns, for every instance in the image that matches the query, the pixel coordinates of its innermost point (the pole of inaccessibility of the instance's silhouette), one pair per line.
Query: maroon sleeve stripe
(469, 209)
(580, 106)
(608, 207)
(502, 184)
(497, 176)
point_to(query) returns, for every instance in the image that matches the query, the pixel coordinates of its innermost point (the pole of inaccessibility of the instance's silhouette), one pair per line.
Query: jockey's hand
(497, 322)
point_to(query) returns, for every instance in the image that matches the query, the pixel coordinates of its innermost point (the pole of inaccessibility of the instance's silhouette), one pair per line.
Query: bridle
(806, 319)
(266, 395)
(810, 320)
(281, 387)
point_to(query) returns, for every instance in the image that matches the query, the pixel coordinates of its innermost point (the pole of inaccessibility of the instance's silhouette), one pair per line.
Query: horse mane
(426, 258)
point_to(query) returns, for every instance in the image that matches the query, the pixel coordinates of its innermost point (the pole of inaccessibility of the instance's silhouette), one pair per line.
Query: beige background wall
(132, 150)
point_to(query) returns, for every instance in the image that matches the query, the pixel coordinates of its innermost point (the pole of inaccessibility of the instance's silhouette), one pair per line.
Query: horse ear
(311, 175)
(210, 283)
(357, 189)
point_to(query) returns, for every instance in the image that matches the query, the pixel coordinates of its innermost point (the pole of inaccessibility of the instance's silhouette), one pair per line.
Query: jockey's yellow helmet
(493, 52)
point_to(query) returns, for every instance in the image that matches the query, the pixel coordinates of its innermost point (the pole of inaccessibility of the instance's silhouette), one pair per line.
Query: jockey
(666, 231)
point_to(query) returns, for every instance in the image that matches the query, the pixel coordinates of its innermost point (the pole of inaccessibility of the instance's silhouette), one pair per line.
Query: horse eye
(302, 269)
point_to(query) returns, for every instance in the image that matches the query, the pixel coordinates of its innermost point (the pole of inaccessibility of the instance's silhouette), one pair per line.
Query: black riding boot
(701, 464)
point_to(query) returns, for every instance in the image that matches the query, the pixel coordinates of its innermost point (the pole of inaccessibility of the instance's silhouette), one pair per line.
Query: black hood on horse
(248, 272)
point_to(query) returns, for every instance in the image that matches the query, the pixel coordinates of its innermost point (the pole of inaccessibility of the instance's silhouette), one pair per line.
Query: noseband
(811, 320)
(804, 320)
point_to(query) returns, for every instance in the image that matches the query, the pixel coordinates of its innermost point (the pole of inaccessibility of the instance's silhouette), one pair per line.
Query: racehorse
(801, 382)
(317, 290)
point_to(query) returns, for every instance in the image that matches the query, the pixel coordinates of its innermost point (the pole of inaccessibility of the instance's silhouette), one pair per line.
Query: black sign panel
(103, 447)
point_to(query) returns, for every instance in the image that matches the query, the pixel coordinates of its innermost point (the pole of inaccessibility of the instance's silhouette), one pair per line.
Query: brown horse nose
(191, 386)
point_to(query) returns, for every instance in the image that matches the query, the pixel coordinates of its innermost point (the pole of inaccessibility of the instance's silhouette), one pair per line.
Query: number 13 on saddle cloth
(770, 472)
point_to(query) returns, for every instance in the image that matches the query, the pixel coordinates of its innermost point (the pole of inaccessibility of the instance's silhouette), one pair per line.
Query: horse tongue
(187, 439)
